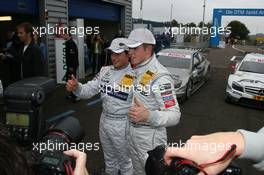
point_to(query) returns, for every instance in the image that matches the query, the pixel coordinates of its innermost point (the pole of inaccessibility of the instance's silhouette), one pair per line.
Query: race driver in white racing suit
(155, 105)
(113, 83)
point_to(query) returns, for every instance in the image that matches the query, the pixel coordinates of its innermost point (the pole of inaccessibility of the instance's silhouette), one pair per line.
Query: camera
(23, 110)
(155, 165)
(43, 138)
(47, 155)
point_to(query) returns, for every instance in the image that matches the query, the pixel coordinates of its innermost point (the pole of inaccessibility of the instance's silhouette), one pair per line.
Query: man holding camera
(155, 105)
(113, 83)
(14, 160)
(249, 145)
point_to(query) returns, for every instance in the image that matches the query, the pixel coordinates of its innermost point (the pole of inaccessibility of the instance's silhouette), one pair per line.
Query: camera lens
(69, 128)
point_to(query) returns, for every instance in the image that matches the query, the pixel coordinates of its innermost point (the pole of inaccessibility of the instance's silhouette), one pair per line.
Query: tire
(207, 75)
(188, 91)
(227, 99)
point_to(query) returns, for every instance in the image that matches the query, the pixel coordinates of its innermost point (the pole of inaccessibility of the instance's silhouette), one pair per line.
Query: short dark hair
(12, 159)
(26, 26)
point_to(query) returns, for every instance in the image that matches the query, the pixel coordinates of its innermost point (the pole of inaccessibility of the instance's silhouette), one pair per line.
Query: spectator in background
(104, 57)
(107, 60)
(9, 60)
(97, 49)
(119, 34)
(4, 66)
(88, 58)
(158, 46)
(42, 47)
(2, 72)
(72, 62)
(10, 35)
(29, 55)
(12, 58)
(168, 39)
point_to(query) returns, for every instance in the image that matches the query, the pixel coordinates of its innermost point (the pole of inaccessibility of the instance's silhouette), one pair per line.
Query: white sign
(79, 40)
(80, 45)
(61, 67)
(177, 55)
(256, 60)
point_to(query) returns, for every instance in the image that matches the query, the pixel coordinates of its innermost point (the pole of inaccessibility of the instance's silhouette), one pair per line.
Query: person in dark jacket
(72, 62)
(97, 49)
(29, 54)
(12, 57)
(9, 60)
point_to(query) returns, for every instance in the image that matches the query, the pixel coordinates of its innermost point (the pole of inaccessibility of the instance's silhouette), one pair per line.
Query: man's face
(23, 36)
(65, 36)
(119, 60)
(138, 55)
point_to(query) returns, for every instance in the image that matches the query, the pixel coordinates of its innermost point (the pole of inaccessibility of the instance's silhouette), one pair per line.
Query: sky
(186, 11)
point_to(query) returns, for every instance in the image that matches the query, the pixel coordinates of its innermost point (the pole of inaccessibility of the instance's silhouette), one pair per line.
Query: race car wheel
(207, 75)
(189, 88)
(227, 99)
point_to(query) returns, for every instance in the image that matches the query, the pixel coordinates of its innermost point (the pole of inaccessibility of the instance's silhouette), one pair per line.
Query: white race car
(189, 69)
(246, 85)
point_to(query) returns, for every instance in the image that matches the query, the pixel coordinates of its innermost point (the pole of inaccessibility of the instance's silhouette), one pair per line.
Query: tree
(200, 25)
(208, 25)
(191, 24)
(174, 23)
(238, 30)
(181, 24)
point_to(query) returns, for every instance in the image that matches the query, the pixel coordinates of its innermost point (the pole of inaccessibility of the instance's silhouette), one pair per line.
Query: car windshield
(182, 63)
(250, 66)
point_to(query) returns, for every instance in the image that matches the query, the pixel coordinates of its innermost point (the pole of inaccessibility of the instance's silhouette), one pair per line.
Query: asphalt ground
(205, 112)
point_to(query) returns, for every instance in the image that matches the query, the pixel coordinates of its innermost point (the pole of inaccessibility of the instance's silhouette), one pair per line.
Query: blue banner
(240, 12)
(217, 18)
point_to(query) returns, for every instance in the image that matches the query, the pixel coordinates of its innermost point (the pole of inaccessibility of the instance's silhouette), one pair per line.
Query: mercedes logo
(261, 92)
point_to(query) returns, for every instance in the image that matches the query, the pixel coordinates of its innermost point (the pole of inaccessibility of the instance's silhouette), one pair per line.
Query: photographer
(249, 146)
(13, 160)
(80, 168)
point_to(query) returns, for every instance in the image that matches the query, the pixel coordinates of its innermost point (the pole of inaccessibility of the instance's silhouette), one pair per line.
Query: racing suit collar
(145, 63)
(127, 67)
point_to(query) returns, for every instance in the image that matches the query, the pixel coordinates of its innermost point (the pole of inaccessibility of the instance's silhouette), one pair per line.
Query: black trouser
(96, 63)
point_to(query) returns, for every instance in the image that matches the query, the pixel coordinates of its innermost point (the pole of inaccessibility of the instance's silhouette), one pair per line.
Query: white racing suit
(113, 128)
(154, 87)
